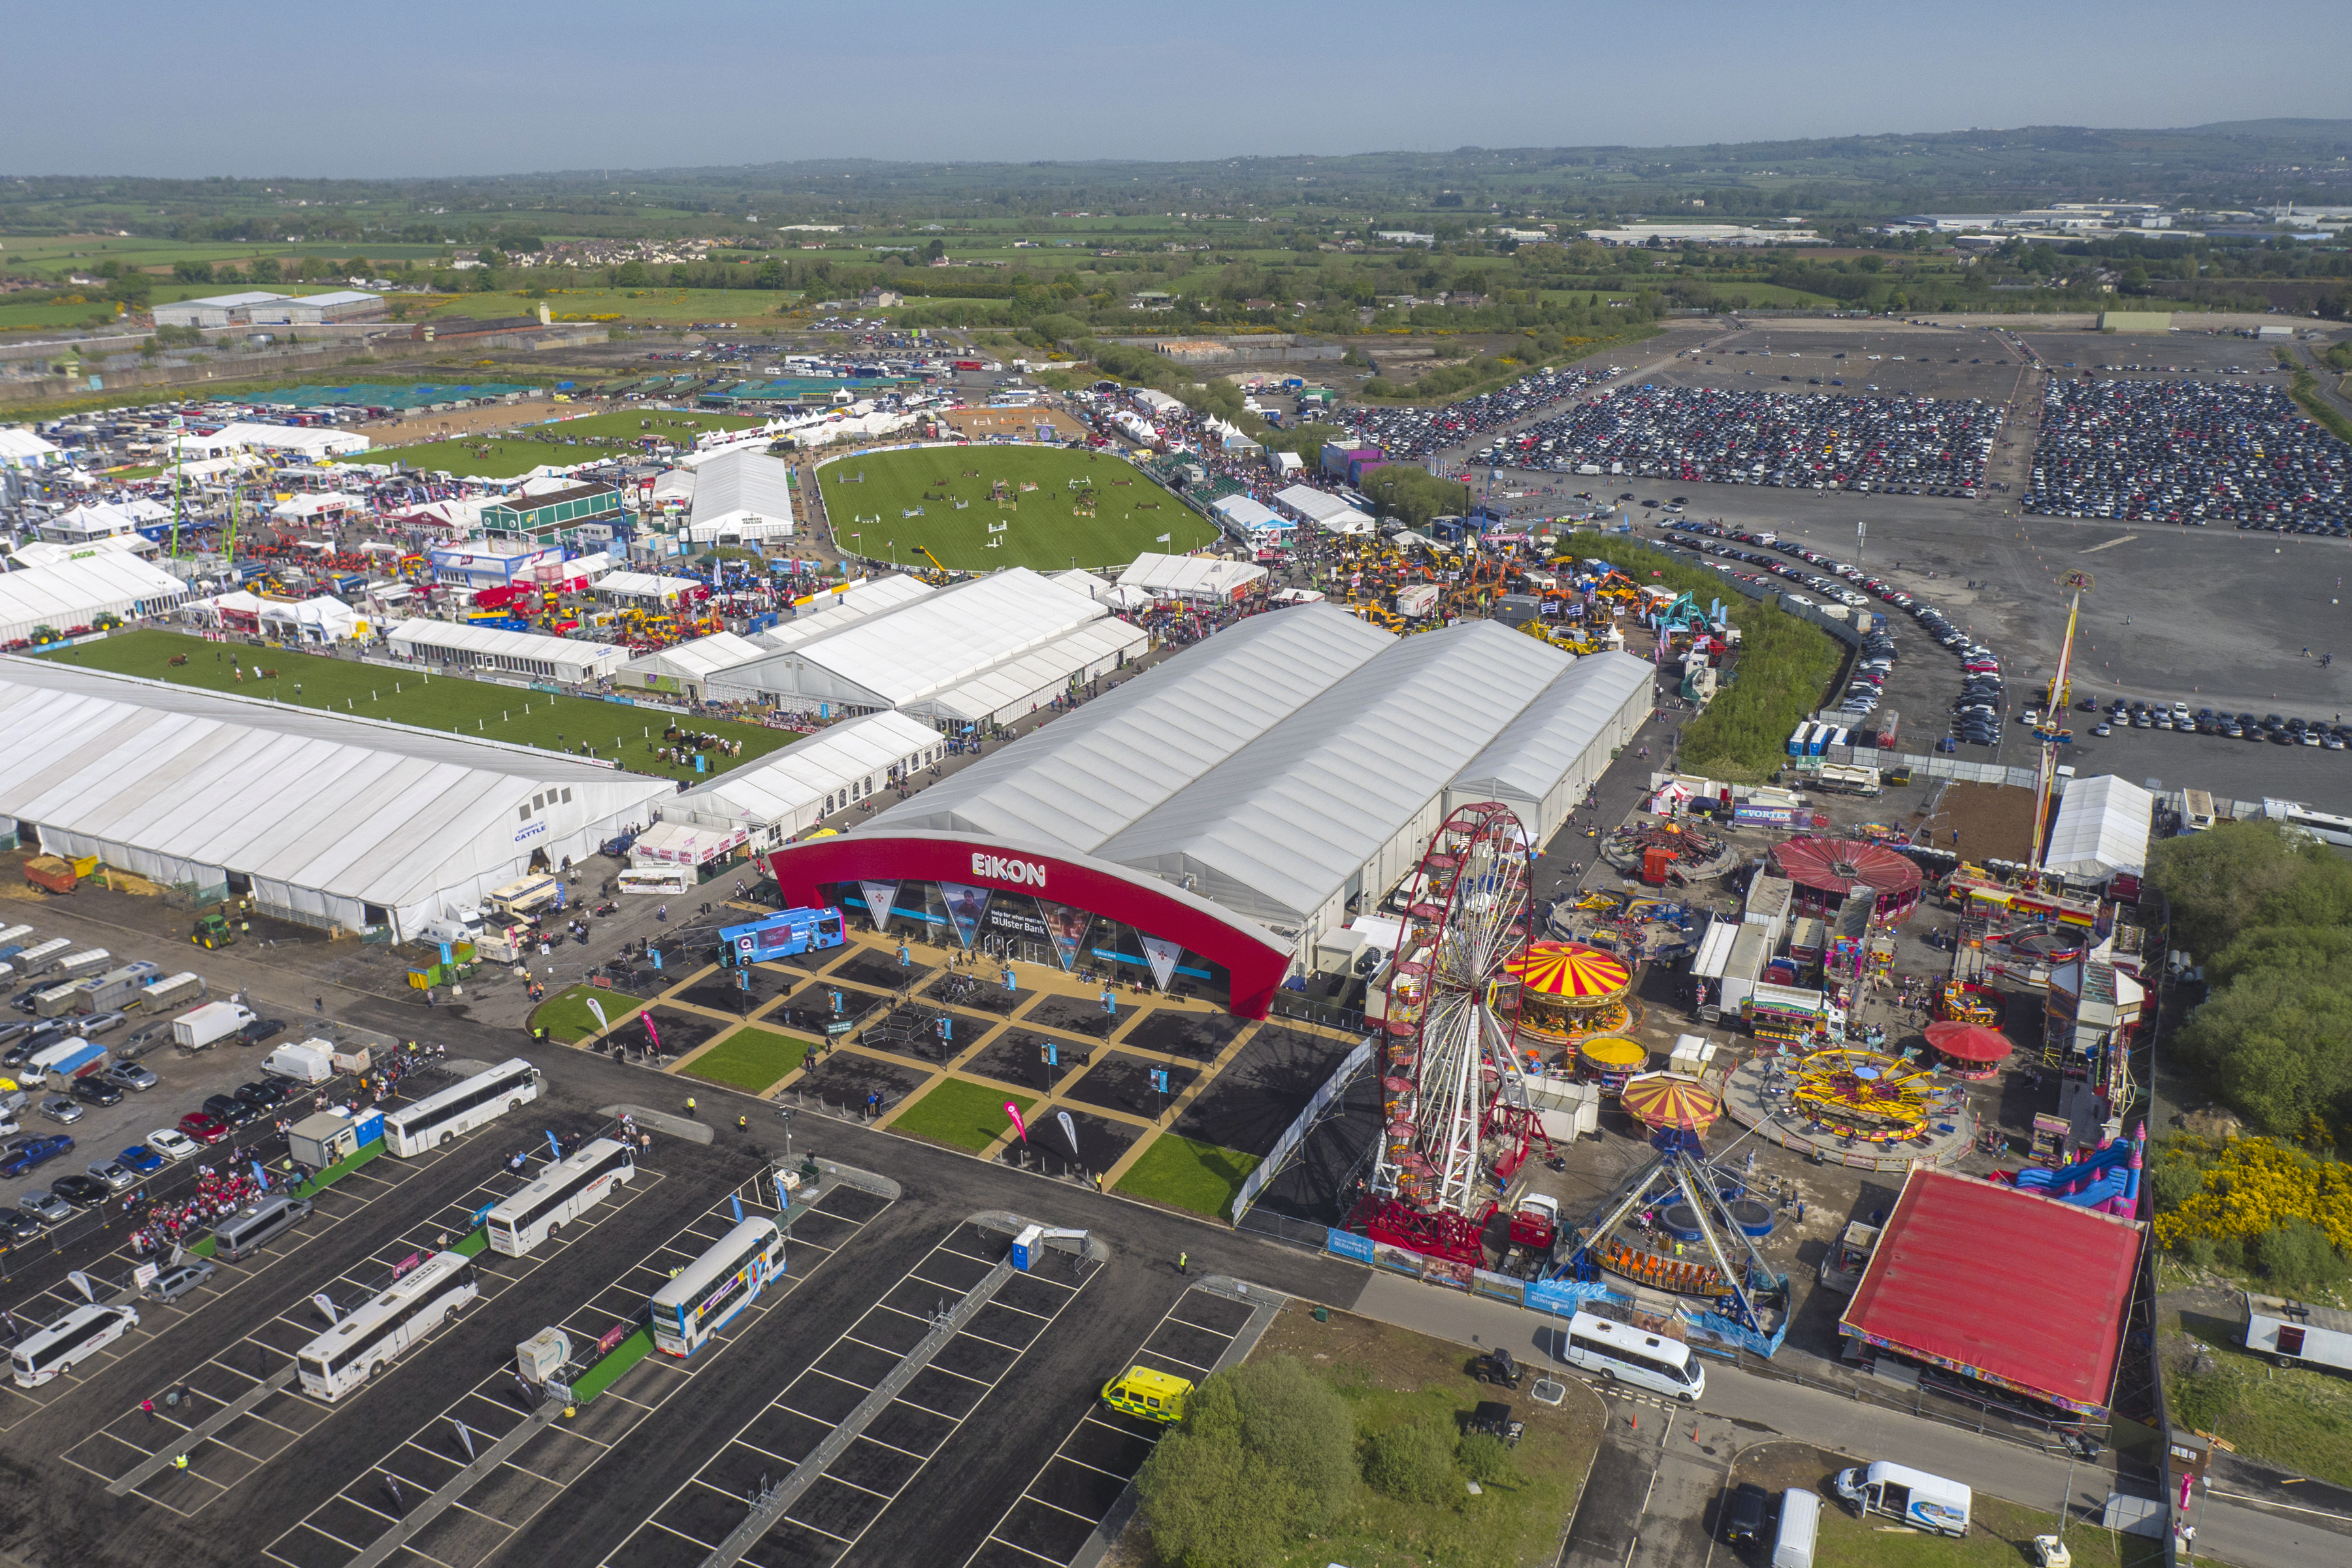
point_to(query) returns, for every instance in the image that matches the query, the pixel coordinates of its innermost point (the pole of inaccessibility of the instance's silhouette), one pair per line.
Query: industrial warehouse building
(987, 650)
(74, 593)
(1215, 817)
(515, 653)
(327, 820)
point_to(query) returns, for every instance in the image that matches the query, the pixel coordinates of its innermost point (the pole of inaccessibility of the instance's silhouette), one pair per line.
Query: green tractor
(212, 930)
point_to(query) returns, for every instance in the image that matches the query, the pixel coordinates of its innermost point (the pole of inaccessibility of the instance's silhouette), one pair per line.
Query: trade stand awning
(683, 844)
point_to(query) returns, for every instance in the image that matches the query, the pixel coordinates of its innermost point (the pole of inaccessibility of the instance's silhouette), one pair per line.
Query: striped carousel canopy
(1571, 971)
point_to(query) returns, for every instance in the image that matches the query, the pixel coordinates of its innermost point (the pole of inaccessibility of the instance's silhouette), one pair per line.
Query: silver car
(116, 1176)
(58, 1107)
(99, 1024)
(131, 1075)
(180, 1278)
(46, 1207)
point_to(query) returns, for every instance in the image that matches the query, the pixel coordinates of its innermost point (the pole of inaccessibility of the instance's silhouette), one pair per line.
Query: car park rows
(867, 1476)
(1074, 1491)
(259, 1361)
(505, 1501)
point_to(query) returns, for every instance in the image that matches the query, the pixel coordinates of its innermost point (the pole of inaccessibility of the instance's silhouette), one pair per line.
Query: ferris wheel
(1452, 1016)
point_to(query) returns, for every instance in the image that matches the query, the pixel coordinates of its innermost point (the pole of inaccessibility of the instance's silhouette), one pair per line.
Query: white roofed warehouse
(1196, 579)
(989, 648)
(1216, 815)
(689, 668)
(328, 820)
(567, 659)
(741, 495)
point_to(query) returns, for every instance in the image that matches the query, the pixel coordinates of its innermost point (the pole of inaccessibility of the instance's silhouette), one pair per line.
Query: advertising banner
(1067, 923)
(1069, 1130)
(878, 897)
(1013, 1109)
(1162, 954)
(966, 906)
(1013, 915)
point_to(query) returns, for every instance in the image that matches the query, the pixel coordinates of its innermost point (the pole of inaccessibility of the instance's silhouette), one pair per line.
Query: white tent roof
(1036, 677)
(699, 659)
(1311, 504)
(70, 595)
(2102, 827)
(44, 552)
(1073, 784)
(682, 844)
(1086, 583)
(1544, 742)
(939, 640)
(235, 599)
(506, 643)
(349, 808)
(311, 442)
(1250, 515)
(312, 505)
(1190, 576)
(741, 490)
(831, 611)
(643, 585)
(1261, 769)
(789, 787)
(332, 614)
(23, 449)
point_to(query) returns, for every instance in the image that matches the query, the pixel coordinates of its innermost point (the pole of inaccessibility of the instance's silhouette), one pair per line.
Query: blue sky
(435, 87)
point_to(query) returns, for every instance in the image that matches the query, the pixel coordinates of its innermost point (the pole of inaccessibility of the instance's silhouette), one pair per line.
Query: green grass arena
(1042, 530)
(452, 704)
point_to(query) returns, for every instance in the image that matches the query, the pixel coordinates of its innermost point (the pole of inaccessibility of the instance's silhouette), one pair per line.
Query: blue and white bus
(778, 936)
(708, 1293)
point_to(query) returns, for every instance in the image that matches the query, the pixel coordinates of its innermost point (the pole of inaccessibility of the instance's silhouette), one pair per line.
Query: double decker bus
(706, 1295)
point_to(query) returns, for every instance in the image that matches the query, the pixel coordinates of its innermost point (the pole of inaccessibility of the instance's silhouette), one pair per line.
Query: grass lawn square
(451, 704)
(518, 451)
(968, 1115)
(1391, 1377)
(749, 1059)
(1043, 530)
(1197, 1177)
(565, 1015)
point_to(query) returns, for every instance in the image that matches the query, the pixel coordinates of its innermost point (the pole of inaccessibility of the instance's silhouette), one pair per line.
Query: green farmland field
(531, 445)
(452, 704)
(1042, 530)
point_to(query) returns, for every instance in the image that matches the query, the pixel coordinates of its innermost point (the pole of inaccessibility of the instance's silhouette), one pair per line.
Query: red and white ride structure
(1458, 1118)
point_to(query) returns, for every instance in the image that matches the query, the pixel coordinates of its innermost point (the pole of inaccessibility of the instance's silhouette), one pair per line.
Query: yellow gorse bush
(2255, 1184)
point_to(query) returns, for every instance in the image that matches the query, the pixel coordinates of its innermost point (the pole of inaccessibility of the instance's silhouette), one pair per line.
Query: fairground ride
(1459, 1117)
(2052, 731)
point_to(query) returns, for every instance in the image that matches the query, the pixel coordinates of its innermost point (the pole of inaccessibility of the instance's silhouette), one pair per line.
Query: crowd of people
(1912, 446)
(162, 1225)
(2188, 452)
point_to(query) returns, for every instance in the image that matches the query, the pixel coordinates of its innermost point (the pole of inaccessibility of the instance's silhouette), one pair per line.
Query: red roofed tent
(2027, 1293)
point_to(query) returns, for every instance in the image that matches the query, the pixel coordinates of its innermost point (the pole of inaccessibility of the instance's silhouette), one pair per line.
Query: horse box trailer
(42, 957)
(172, 990)
(209, 1025)
(117, 988)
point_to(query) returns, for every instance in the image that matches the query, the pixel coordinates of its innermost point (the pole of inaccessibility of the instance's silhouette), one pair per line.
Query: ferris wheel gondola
(1453, 1015)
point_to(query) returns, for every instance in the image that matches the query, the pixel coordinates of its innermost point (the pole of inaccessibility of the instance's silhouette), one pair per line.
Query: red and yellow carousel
(1569, 994)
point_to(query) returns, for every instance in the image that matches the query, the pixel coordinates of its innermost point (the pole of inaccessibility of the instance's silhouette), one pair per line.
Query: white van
(1620, 1353)
(71, 1340)
(1800, 1523)
(1915, 1496)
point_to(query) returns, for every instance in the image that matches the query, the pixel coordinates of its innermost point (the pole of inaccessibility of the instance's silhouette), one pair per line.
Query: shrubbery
(2254, 1204)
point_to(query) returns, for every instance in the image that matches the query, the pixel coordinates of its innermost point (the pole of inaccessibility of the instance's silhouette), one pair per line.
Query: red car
(205, 1130)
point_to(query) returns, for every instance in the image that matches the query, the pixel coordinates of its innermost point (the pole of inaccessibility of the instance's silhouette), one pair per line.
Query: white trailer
(209, 1025)
(2289, 1332)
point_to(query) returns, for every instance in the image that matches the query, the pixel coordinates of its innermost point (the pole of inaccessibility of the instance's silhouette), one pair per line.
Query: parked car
(1745, 1512)
(96, 1090)
(205, 1130)
(230, 1111)
(97, 1023)
(142, 1159)
(265, 1095)
(46, 1207)
(114, 1176)
(180, 1278)
(82, 1191)
(175, 1145)
(20, 1226)
(260, 1030)
(131, 1075)
(62, 1109)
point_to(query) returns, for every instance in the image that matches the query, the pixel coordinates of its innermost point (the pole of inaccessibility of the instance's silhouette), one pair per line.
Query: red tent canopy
(1970, 1042)
(1835, 864)
(2024, 1292)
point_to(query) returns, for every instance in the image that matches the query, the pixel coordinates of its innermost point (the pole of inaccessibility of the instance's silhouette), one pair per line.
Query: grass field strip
(358, 1188)
(1068, 1500)
(219, 1463)
(343, 1527)
(831, 1515)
